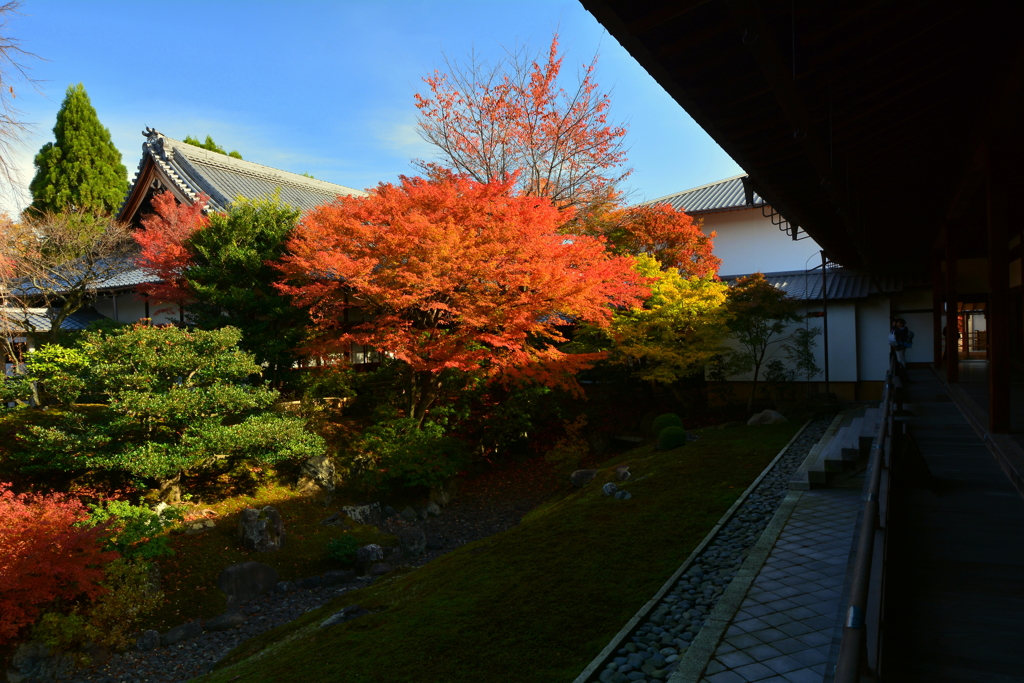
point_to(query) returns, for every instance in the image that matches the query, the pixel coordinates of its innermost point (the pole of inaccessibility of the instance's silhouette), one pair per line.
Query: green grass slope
(537, 602)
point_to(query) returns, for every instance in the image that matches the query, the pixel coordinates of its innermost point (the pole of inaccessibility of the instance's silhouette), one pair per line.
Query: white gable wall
(747, 242)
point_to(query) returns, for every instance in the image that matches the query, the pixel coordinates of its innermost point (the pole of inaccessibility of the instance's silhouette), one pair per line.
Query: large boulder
(767, 417)
(317, 475)
(364, 514)
(247, 580)
(369, 555)
(260, 530)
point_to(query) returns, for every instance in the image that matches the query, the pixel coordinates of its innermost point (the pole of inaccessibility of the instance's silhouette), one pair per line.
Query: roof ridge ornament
(151, 133)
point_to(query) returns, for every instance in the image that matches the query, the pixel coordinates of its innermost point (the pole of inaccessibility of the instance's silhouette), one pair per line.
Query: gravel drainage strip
(676, 632)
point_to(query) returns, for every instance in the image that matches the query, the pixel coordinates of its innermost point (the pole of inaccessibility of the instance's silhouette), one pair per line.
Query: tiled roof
(37, 319)
(722, 195)
(842, 283)
(196, 171)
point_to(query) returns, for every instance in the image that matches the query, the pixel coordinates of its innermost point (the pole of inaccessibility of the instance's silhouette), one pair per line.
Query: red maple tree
(492, 121)
(455, 274)
(43, 556)
(660, 230)
(164, 252)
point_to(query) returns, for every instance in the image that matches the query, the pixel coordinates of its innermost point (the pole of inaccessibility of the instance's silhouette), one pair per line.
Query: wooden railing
(860, 649)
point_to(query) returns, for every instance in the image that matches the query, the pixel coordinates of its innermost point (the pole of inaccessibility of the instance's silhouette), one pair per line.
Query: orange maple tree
(455, 274)
(163, 245)
(659, 230)
(43, 556)
(492, 121)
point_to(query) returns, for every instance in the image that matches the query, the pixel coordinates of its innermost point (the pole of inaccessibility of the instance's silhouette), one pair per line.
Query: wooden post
(952, 314)
(998, 308)
(937, 286)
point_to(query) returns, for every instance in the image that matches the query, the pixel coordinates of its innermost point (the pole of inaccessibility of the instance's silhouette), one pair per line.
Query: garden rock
(580, 478)
(260, 530)
(33, 663)
(364, 514)
(433, 509)
(412, 541)
(444, 493)
(149, 640)
(192, 629)
(247, 580)
(317, 474)
(224, 622)
(284, 587)
(767, 417)
(199, 527)
(609, 489)
(336, 577)
(380, 569)
(408, 514)
(369, 554)
(622, 472)
(346, 614)
(623, 495)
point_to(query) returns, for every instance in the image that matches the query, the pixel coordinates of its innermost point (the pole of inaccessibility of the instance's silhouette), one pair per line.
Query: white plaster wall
(131, 308)
(873, 338)
(747, 242)
(842, 341)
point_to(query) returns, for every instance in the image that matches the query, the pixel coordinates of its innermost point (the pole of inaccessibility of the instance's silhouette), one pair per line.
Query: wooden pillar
(937, 286)
(952, 314)
(998, 309)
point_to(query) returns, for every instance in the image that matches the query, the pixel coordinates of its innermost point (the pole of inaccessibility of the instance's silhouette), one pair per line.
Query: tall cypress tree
(82, 170)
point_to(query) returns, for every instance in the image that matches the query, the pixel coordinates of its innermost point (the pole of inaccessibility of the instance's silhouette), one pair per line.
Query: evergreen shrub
(342, 550)
(671, 437)
(666, 420)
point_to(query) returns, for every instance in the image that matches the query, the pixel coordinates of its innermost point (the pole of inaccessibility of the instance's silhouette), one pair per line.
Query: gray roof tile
(722, 195)
(196, 171)
(842, 283)
(36, 317)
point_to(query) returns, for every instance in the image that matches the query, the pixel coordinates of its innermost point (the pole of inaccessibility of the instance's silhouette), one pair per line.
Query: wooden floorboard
(955, 592)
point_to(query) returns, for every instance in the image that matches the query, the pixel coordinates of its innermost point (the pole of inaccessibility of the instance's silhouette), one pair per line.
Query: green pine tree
(211, 145)
(82, 169)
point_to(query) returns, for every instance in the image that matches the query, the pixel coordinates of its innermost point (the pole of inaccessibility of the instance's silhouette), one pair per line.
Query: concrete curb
(616, 642)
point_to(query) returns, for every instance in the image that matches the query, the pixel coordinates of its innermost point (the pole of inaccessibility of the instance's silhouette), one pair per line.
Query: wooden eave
(867, 125)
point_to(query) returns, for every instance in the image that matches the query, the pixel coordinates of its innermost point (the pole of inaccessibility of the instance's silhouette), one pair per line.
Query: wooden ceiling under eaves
(866, 123)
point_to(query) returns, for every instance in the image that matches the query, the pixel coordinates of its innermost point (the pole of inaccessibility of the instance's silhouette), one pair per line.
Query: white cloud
(399, 135)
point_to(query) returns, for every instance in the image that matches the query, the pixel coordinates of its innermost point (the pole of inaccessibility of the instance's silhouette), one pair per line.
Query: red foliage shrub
(43, 556)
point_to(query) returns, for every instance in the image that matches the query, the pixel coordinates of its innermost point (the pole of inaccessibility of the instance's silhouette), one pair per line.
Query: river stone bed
(652, 651)
(188, 659)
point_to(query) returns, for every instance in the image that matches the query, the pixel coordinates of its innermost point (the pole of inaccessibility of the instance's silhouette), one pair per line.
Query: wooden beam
(765, 48)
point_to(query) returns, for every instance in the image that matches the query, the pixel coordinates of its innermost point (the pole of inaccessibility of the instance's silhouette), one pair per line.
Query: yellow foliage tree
(679, 328)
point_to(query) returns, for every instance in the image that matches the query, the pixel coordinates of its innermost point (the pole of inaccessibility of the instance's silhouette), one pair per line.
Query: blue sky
(323, 87)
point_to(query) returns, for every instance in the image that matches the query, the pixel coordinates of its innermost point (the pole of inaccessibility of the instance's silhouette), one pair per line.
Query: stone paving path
(784, 627)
